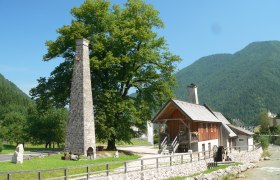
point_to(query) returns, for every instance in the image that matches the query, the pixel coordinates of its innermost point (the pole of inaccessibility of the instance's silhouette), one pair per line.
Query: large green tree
(13, 123)
(126, 55)
(47, 126)
(264, 123)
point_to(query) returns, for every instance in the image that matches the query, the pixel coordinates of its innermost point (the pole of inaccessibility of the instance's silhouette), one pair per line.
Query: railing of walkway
(106, 169)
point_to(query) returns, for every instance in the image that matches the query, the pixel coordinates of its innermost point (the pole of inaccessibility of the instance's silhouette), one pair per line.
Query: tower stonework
(80, 133)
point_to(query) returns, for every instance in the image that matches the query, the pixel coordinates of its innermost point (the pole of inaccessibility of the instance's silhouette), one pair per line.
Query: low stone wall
(163, 172)
(234, 170)
(247, 158)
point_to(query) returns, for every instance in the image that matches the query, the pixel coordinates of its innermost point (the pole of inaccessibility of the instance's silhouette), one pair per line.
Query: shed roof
(230, 132)
(240, 129)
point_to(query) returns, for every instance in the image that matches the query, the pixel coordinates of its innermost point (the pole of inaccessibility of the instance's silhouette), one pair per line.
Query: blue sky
(193, 29)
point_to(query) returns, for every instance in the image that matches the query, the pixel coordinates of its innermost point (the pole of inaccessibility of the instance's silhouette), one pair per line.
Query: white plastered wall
(213, 143)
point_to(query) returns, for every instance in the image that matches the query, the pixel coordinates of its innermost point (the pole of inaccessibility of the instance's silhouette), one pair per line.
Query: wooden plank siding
(174, 125)
(208, 131)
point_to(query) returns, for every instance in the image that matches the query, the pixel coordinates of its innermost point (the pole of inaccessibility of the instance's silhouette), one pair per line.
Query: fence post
(253, 147)
(182, 159)
(65, 174)
(198, 156)
(39, 175)
(9, 176)
(239, 148)
(191, 157)
(88, 172)
(142, 164)
(107, 169)
(209, 153)
(204, 154)
(170, 160)
(157, 162)
(125, 167)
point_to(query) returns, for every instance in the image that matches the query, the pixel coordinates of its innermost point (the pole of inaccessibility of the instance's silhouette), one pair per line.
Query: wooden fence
(118, 167)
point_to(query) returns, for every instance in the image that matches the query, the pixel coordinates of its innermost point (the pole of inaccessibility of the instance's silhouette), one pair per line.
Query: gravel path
(269, 169)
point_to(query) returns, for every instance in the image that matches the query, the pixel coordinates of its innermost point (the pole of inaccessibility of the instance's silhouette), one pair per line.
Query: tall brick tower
(80, 133)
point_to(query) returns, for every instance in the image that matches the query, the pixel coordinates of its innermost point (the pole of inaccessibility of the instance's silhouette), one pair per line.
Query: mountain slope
(239, 85)
(10, 94)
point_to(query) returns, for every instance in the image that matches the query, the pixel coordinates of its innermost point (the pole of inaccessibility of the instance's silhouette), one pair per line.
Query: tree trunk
(46, 145)
(112, 144)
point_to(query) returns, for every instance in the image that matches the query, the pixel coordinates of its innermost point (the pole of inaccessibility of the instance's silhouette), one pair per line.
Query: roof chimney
(192, 90)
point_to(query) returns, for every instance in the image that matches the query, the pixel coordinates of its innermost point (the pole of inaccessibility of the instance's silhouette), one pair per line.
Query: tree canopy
(126, 55)
(264, 123)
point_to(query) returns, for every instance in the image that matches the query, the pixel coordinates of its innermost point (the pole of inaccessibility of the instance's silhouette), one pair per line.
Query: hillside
(11, 95)
(240, 85)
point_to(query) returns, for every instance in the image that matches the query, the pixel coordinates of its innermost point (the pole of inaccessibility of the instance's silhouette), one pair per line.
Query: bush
(266, 153)
(277, 141)
(264, 142)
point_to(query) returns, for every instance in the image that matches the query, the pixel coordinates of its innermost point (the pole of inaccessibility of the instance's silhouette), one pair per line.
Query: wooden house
(189, 126)
(185, 126)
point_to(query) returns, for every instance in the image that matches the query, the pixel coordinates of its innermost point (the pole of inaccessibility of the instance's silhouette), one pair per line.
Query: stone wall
(247, 158)
(163, 172)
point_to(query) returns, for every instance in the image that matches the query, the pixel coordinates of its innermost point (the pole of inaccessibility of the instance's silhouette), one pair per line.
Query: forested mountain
(240, 85)
(11, 94)
(13, 112)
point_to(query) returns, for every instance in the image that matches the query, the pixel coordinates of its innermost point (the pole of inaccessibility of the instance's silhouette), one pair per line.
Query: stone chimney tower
(192, 91)
(80, 133)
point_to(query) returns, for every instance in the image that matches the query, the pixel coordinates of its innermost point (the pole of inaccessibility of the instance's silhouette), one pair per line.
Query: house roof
(195, 111)
(230, 132)
(240, 129)
(221, 117)
(225, 123)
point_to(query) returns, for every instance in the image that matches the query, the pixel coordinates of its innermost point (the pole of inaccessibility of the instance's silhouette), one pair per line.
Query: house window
(240, 139)
(211, 127)
(203, 147)
(206, 127)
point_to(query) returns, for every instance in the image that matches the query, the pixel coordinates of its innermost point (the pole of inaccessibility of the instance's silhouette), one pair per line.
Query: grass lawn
(9, 149)
(54, 161)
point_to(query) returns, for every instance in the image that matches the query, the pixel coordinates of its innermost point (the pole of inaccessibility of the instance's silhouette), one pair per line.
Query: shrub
(277, 141)
(264, 142)
(266, 153)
